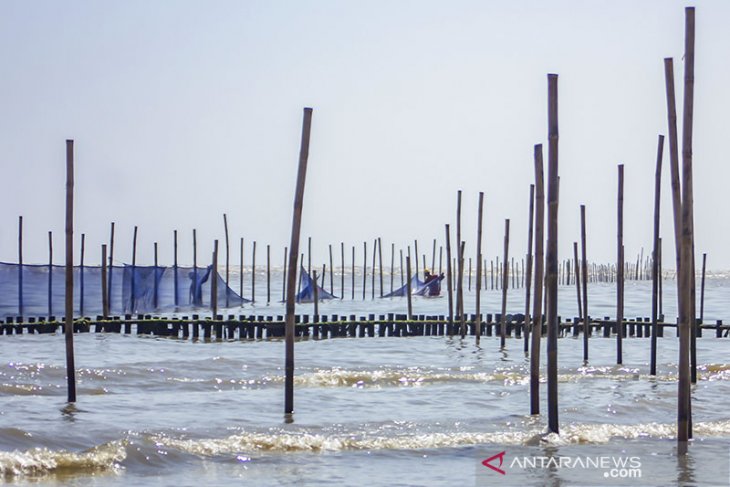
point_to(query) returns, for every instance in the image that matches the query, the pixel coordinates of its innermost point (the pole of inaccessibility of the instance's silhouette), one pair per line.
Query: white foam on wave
(42, 461)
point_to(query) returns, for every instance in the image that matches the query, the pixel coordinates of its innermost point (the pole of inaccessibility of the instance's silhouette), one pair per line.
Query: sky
(183, 111)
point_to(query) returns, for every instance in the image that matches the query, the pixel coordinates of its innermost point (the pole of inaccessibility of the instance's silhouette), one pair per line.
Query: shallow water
(368, 411)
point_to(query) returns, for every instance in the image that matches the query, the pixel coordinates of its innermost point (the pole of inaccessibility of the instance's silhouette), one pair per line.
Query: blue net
(306, 295)
(132, 290)
(419, 288)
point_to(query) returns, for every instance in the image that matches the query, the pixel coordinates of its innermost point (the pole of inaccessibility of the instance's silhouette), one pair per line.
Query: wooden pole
(480, 214)
(315, 297)
(459, 265)
(69, 308)
(551, 260)
(133, 301)
(415, 254)
(332, 272)
(620, 268)
(253, 273)
(408, 288)
(364, 269)
(538, 300)
(586, 315)
(20, 266)
(214, 282)
(449, 280)
(441, 258)
(195, 263)
(81, 275)
(104, 294)
(380, 265)
(702, 287)
(293, 253)
(505, 285)
(576, 269)
(353, 273)
(402, 269)
(228, 259)
(655, 255)
(372, 284)
(174, 267)
(468, 286)
(268, 274)
(661, 279)
(392, 265)
(283, 283)
(50, 274)
(674, 161)
(155, 289)
(433, 257)
(309, 256)
(462, 318)
(240, 270)
(110, 289)
(528, 271)
(342, 270)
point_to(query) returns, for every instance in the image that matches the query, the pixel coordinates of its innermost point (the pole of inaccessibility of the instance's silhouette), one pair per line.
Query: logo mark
(487, 463)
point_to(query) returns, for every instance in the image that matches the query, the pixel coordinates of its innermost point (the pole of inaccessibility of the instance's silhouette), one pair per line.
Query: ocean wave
(283, 442)
(42, 461)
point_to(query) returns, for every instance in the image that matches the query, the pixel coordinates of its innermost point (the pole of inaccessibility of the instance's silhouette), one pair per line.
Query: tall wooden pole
(69, 308)
(687, 325)
(528, 270)
(576, 269)
(408, 288)
(352, 274)
(104, 294)
(479, 265)
(702, 287)
(505, 285)
(552, 256)
(539, 283)
(293, 253)
(372, 283)
(460, 303)
(20, 266)
(342, 270)
(214, 283)
(459, 263)
(380, 265)
(620, 268)
(392, 265)
(253, 272)
(174, 267)
(228, 259)
(332, 272)
(50, 274)
(81, 275)
(449, 280)
(240, 270)
(132, 297)
(655, 256)
(268, 274)
(110, 289)
(364, 269)
(584, 267)
(283, 283)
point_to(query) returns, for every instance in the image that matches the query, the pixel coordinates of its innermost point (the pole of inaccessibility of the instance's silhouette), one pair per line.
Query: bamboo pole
(528, 271)
(459, 263)
(214, 283)
(462, 319)
(702, 287)
(480, 214)
(195, 264)
(538, 300)
(315, 297)
(380, 265)
(364, 268)
(687, 326)
(620, 267)
(20, 266)
(505, 285)
(402, 269)
(283, 283)
(332, 272)
(253, 273)
(441, 258)
(586, 315)
(268, 275)
(661, 280)
(104, 294)
(309, 256)
(81, 275)
(353, 273)
(293, 253)
(392, 265)
(551, 260)
(133, 301)
(415, 254)
(111, 266)
(174, 267)
(576, 269)
(449, 281)
(50, 274)
(408, 288)
(342, 270)
(375, 254)
(240, 269)
(228, 259)
(433, 257)
(655, 256)
(69, 308)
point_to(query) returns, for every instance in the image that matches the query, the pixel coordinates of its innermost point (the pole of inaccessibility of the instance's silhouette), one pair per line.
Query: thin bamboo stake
(375, 255)
(69, 308)
(433, 257)
(81, 275)
(380, 265)
(133, 300)
(538, 300)
(415, 254)
(332, 272)
(408, 288)
(449, 281)
(315, 298)
(353, 273)
(294, 252)
(620, 268)
(392, 264)
(214, 283)
(228, 259)
(480, 214)
(459, 262)
(586, 315)
(576, 268)
(20, 266)
(462, 318)
(505, 285)
(104, 294)
(240, 270)
(253, 273)
(655, 256)
(364, 268)
(528, 271)
(50, 274)
(268, 275)
(284, 281)
(702, 287)
(342, 270)
(111, 265)
(174, 268)
(552, 256)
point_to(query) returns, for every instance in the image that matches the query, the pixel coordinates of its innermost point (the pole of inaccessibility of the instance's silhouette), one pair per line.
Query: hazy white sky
(183, 110)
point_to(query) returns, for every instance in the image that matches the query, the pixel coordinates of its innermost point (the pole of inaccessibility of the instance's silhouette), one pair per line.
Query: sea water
(368, 411)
